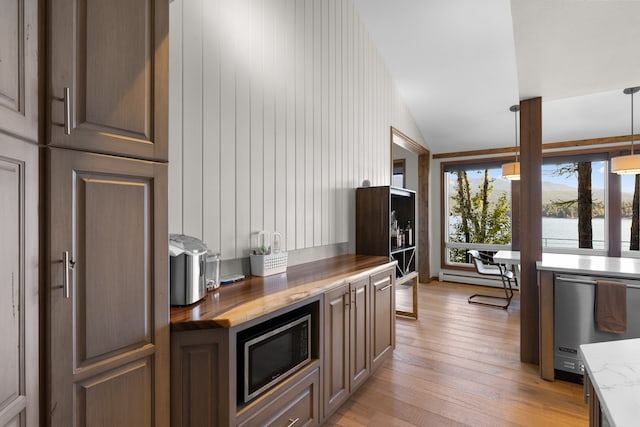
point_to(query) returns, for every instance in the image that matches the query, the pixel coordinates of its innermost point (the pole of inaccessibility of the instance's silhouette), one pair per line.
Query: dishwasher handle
(587, 282)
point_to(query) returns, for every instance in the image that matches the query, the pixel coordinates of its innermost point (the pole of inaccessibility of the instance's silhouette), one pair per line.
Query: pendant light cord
(515, 121)
(632, 123)
(515, 108)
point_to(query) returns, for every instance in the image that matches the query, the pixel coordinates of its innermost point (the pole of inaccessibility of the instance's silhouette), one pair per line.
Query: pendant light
(629, 164)
(512, 170)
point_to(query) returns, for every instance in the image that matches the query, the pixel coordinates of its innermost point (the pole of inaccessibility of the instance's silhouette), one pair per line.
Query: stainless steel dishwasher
(574, 321)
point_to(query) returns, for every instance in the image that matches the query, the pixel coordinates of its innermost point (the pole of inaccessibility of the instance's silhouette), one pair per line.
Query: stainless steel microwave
(270, 352)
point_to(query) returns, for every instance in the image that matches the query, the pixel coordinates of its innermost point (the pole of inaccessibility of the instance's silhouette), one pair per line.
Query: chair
(486, 267)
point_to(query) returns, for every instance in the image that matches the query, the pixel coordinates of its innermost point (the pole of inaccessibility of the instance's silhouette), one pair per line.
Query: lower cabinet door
(384, 319)
(18, 282)
(107, 291)
(199, 377)
(296, 406)
(336, 348)
(359, 334)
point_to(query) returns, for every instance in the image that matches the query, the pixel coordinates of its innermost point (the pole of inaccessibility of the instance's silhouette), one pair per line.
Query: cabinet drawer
(296, 406)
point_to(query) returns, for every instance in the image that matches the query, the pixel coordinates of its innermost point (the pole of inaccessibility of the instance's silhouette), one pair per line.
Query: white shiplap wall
(279, 109)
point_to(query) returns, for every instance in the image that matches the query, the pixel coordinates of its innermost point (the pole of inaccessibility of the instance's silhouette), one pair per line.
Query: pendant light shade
(630, 164)
(626, 165)
(512, 170)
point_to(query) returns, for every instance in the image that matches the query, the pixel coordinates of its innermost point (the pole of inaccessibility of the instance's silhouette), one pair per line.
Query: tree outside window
(573, 209)
(479, 209)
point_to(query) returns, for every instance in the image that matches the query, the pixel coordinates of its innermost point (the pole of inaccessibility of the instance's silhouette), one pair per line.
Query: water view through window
(478, 206)
(569, 190)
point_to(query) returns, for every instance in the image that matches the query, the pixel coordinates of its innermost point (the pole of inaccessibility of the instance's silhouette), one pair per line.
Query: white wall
(279, 109)
(411, 166)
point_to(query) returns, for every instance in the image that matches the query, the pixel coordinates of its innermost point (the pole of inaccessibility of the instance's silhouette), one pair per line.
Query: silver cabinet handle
(68, 264)
(67, 111)
(292, 422)
(586, 387)
(384, 288)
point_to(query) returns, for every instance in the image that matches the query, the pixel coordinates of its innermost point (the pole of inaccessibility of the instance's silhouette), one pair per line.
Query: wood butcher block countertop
(236, 303)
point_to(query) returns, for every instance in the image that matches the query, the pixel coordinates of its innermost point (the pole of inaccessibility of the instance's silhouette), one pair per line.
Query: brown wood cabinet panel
(117, 398)
(296, 406)
(372, 221)
(336, 348)
(359, 339)
(11, 46)
(373, 225)
(384, 321)
(199, 378)
(11, 324)
(18, 283)
(18, 68)
(110, 215)
(113, 59)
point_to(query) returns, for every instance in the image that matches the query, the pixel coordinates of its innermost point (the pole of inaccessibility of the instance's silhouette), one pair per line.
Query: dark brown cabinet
(383, 322)
(200, 378)
(108, 77)
(296, 406)
(106, 213)
(359, 332)
(18, 282)
(19, 263)
(108, 341)
(347, 341)
(376, 208)
(336, 348)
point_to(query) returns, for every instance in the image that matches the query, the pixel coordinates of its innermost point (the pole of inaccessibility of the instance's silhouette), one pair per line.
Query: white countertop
(614, 370)
(507, 257)
(589, 264)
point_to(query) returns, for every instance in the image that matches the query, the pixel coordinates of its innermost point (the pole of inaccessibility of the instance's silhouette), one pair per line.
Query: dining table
(507, 257)
(512, 260)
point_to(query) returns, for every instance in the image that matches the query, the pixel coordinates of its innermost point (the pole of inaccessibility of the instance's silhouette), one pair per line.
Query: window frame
(613, 245)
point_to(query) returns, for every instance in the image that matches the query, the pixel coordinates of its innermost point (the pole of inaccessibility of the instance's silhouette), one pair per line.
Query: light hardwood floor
(459, 365)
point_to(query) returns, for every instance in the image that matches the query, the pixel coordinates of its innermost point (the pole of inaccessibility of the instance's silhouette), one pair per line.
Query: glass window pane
(573, 210)
(629, 186)
(478, 209)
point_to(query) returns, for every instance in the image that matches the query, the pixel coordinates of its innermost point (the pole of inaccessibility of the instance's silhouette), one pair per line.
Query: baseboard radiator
(471, 278)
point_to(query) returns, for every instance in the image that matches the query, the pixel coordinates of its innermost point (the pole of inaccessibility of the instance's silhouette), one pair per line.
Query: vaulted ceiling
(460, 64)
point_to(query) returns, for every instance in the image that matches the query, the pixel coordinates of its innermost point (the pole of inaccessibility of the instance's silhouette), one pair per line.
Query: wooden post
(615, 205)
(515, 215)
(530, 226)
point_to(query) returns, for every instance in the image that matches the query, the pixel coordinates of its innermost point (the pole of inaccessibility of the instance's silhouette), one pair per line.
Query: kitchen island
(564, 270)
(613, 382)
(314, 334)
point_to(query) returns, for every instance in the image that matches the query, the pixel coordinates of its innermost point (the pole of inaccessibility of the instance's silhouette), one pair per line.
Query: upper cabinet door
(108, 80)
(19, 68)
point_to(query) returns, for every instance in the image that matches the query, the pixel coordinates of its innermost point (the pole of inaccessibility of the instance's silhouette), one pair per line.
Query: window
(477, 210)
(629, 228)
(573, 205)
(585, 208)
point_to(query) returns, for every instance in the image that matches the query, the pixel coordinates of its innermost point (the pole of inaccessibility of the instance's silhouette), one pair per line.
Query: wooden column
(424, 270)
(615, 205)
(515, 215)
(530, 226)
